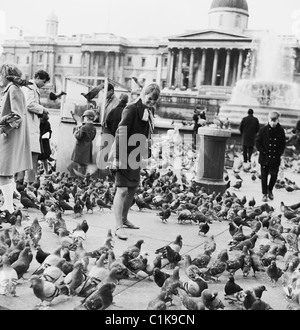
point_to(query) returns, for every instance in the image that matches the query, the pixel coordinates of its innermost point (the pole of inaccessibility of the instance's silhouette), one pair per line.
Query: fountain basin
(263, 96)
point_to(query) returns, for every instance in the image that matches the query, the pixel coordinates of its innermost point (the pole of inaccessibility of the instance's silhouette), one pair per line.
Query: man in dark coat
(84, 134)
(270, 143)
(249, 127)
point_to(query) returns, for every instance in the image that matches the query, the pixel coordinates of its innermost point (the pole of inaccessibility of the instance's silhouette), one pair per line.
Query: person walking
(35, 111)
(85, 134)
(249, 128)
(270, 143)
(45, 136)
(112, 101)
(15, 148)
(137, 125)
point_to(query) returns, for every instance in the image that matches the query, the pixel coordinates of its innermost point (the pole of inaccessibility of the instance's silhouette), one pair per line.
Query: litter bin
(210, 170)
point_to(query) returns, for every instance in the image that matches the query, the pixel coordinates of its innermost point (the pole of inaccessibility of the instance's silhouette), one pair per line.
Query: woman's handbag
(9, 122)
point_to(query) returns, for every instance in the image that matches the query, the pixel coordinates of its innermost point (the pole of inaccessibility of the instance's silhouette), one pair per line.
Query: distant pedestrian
(84, 134)
(249, 128)
(199, 119)
(270, 143)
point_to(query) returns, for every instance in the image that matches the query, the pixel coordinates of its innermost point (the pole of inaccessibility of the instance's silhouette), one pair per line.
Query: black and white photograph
(150, 157)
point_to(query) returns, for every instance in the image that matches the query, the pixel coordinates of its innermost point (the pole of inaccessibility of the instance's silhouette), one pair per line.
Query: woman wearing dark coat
(270, 143)
(84, 134)
(132, 136)
(249, 128)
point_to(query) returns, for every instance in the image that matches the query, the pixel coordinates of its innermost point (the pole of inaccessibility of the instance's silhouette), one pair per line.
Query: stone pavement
(135, 294)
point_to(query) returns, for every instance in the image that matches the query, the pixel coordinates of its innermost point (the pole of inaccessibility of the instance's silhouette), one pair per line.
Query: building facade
(200, 63)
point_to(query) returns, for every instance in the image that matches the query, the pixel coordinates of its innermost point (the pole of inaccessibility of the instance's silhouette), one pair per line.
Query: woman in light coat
(14, 138)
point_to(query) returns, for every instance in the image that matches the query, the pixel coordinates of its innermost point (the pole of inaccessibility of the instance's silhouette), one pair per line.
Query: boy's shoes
(265, 198)
(271, 196)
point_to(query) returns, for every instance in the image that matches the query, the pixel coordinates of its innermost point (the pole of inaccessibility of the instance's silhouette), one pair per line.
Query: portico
(196, 60)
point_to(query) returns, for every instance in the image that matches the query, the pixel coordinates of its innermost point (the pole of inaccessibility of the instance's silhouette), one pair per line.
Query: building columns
(215, 66)
(52, 65)
(116, 67)
(203, 66)
(121, 66)
(106, 64)
(240, 65)
(191, 69)
(96, 64)
(172, 68)
(159, 69)
(82, 63)
(227, 67)
(179, 73)
(253, 60)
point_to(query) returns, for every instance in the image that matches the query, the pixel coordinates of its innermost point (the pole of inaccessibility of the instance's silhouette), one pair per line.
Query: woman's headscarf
(10, 70)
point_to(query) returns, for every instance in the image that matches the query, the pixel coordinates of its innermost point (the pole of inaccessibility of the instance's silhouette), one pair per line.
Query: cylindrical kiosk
(210, 171)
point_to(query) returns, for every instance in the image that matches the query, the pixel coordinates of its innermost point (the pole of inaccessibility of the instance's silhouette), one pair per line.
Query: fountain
(269, 87)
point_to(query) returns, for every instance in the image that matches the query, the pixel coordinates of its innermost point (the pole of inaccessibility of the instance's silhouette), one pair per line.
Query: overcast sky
(137, 18)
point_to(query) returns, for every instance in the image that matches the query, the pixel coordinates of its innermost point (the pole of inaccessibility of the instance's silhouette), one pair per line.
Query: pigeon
(27, 202)
(13, 255)
(134, 250)
(176, 246)
(102, 205)
(190, 303)
(249, 299)
(194, 288)
(44, 290)
(141, 204)
(99, 271)
(21, 265)
(203, 228)
(8, 278)
(35, 232)
(210, 245)
(101, 298)
(259, 290)
(93, 92)
(160, 276)
(211, 300)
(274, 272)
(41, 255)
(160, 302)
(164, 214)
(54, 96)
(74, 279)
(231, 287)
(260, 305)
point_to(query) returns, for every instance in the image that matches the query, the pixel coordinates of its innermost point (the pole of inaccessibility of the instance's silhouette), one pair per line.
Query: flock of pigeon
(263, 243)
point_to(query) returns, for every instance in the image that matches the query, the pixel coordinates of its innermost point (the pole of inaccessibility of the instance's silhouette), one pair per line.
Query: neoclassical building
(204, 63)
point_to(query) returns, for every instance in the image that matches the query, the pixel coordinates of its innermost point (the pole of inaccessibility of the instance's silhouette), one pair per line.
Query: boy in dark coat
(249, 127)
(84, 134)
(270, 143)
